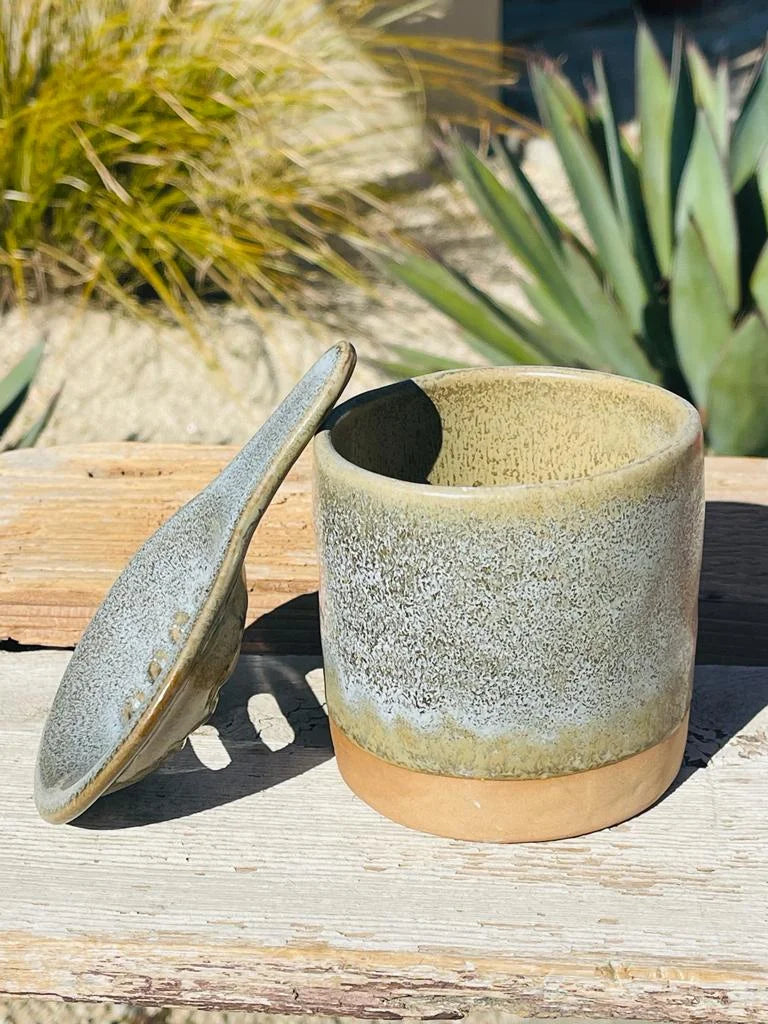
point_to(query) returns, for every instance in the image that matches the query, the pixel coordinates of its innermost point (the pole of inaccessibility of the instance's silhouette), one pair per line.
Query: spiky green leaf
(476, 312)
(701, 320)
(531, 198)
(604, 107)
(683, 117)
(614, 345)
(737, 410)
(413, 362)
(711, 92)
(654, 107)
(14, 386)
(594, 198)
(750, 134)
(705, 195)
(758, 284)
(517, 220)
(32, 435)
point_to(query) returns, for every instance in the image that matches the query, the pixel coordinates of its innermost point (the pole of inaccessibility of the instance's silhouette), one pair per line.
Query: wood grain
(71, 517)
(244, 875)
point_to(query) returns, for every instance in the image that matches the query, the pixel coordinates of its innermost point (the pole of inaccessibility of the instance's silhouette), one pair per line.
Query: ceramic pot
(509, 567)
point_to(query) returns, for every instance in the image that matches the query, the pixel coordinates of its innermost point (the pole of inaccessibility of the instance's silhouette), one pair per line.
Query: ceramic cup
(509, 573)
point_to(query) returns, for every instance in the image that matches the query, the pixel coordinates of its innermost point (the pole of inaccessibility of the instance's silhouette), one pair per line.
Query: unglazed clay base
(512, 810)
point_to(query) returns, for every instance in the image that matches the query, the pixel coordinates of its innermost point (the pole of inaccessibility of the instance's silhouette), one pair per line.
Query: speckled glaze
(148, 668)
(509, 570)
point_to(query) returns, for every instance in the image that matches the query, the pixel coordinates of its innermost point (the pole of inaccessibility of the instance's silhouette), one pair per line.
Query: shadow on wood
(733, 596)
(184, 785)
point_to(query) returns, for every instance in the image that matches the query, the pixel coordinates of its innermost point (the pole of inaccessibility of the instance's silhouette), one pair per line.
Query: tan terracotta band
(512, 810)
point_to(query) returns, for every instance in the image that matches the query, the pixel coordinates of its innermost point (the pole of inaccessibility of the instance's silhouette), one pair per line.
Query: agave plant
(674, 285)
(13, 391)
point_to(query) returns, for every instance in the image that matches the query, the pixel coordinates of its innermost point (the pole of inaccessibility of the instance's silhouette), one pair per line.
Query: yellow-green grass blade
(737, 410)
(701, 320)
(705, 194)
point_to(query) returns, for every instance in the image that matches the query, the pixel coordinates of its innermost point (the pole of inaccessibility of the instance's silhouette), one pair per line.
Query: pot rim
(688, 434)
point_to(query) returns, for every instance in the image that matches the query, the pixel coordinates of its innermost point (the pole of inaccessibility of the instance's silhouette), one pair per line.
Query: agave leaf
(476, 312)
(612, 145)
(14, 386)
(30, 437)
(749, 132)
(412, 362)
(711, 92)
(701, 320)
(513, 216)
(752, 218)
(759, 284)
(530, 197)
(565, 93)
(571, 348)
(594, 198)
(612, 339)
(705, 195)
(683, 117)
(654, 106)
(737, 412)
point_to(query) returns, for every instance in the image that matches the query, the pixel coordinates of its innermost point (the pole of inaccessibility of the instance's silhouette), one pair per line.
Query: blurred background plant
(189, 149)
(14, 388)
(673, 285)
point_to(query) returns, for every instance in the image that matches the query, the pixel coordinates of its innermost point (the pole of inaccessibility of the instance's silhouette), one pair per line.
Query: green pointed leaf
(705, 195)
(31, 436)
(761, 176)
(412, 362)
(612, 144)
(752, 227)
(594, 198)
(572, 348)
(612, 340)
(565, 93)
(530, 198)
(711, 92)
(654, 106)
(683, 118)
(701, 320)
(749, 133)
(516, 220)
(759, 284)
(737, 411)
(14, 386)
(471, 308)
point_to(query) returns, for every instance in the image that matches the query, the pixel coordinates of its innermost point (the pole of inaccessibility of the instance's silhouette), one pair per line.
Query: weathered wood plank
(243, 874)
(71, 517)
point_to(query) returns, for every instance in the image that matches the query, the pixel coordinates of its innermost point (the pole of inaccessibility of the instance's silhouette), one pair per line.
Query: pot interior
(509, 425)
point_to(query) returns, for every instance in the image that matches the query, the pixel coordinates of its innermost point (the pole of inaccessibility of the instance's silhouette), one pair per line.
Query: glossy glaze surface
(148, 668)
(509, 569)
